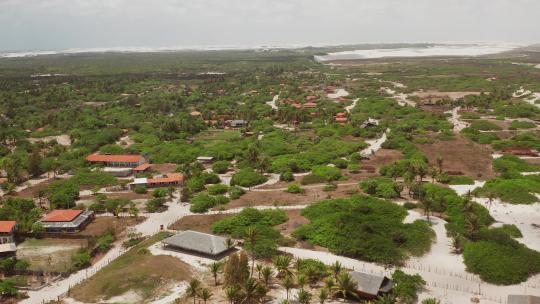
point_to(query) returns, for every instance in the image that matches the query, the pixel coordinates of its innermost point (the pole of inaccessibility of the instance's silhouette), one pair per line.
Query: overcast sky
(63, 24)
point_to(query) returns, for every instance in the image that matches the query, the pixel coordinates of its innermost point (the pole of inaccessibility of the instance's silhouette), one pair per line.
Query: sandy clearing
(455, 119)
(401, 98)
(350, 107)
(172, 295)
(63, 139)
(272, 103)
(197, 262)
(375, 144)
(338, 93)
(439, 94)
(125, 141)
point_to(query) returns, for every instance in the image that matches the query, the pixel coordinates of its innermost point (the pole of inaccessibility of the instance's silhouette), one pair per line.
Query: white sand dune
(420, 51)
(338, 93)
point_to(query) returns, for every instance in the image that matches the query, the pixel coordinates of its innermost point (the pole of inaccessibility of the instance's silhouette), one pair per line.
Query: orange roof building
(116, 160)
(7, 227)
(7, 242)
(310, 105)
(195, 114)
(142, 168)
(171, 179)
(312, 97)
(66, 220)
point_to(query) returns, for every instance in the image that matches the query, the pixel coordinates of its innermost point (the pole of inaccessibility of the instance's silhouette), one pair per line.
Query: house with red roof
(66, 220)
(310, 105)
(7, 238)
(171, 179)
(116, 160)
(7, 231)
(311, 97)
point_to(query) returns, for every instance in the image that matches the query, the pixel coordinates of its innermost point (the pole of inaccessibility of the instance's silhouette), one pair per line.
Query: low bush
(236, 192)
(295, 188)
(286, 176)
(381, 187)
(516, 124)
(247, 178)
(140, 189)
(218, 189)
(221, 166)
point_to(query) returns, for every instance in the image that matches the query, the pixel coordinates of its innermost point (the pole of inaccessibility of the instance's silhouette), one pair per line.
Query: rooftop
(59, 215)
(198, 242)
(523, 299)
(371, 284)
(7, 226)
(142, 167)
(124, 158)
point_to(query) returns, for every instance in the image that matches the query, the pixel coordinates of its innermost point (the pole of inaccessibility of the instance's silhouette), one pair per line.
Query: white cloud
(56, 24)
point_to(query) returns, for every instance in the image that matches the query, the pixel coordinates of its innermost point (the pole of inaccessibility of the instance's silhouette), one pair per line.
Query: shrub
(330, 187)
(155, 205)
(460, 180)
(210, 178)
(365, 227)
(218, 189)
(340, 163)
(353, 168)
(236, 192)
(140, 189)
(295, 188)
(63, 193)
(326, 172)
(160, 192)
(202, 203)
(410, 205)
(195, 184)
(105, 241)
(80, 260)
(312, 179)
(221, 200)
(382, 187)
(247, 178)
(286, 176)
(516, 124)
(221, 166)
(484, 125)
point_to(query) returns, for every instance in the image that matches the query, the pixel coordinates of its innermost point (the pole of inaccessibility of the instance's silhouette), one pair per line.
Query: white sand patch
(127, 298)
(455, 119)
(463, 189)
(63, 139)
(338, 93)
(530, 173)
(350, 107)
(273, 178)
(197, 262)
(537, 66)
(420, 51)
(225, 178)
(374, 145)
(525, 217)
(125, 141)
(398, 84)
(172, 295)
(272, 103)
(521, 92)
(401, 98)
(284, 127)
(496, 155)
(438, 94)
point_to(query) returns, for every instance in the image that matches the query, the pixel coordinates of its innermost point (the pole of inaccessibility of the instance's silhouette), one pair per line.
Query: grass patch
(460, 180)
(136, 270)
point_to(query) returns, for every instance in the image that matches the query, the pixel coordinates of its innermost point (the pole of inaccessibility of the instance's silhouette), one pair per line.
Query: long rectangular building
(115, 160)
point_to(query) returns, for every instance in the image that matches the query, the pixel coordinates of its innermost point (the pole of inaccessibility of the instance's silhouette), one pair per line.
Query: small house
(171, 179)
(310, 105)
(205, 159)
(7, 238)
(236, 123)
(520, 151)
(67, 220)
(142, 168)
(199, 243)
(371, 286)
(195, 114)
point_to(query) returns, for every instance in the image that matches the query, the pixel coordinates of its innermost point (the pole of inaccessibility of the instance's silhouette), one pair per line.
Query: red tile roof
(127, 158)
(142, 167)
(341, 119)
(310, 105)
(170, 178)
(7, 226)
(58, 215)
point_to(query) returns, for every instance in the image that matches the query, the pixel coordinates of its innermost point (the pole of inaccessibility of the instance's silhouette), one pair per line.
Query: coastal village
(321, 184)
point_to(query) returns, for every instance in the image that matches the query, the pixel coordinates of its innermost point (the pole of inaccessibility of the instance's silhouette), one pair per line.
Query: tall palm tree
(288, 283)
(336, 268)
(259, 268)
(385, 299)
(267, 274)
(250, 236)
(283, 265)
(303, 297)
(329, 284)
(205, 294)
(301, 280)
(215, 269)
(250, 289)
(193, 288)
(346, 286)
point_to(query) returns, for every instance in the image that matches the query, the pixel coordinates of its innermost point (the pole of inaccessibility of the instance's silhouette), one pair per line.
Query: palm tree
(193, 288)
(205, 294)
(301, 280)
(251, 237)
(440, 161)
(303, 297)
(288, 283)
(336, 268)
(330, 284)
(215, 269)
(323, 295)
(250, 289)
(346, 286)
(283, 265)
(385, 299)
(267, 274)
(232, 293)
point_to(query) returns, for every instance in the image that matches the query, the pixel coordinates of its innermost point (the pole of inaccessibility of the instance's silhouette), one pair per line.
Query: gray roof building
(371, 285)
(523, 299)
(198, 242)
